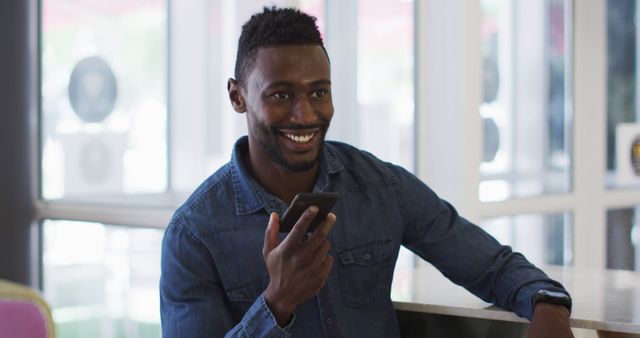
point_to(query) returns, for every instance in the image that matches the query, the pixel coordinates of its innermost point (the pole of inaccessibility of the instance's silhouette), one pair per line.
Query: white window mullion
(618, 199)
(546, 204)
(150, 217)
(341, 31)
(448, 96)
(473, 85)
(589, 132)
(188, 92)
(530, 88)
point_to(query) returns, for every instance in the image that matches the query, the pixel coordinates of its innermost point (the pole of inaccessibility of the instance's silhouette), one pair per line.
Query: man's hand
(549, 321)
(298, 268)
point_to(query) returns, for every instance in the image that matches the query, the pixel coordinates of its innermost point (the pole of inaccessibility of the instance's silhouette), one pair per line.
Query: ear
(235, 96)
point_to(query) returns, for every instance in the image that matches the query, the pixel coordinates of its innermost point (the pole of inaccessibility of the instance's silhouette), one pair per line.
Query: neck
(277, 180)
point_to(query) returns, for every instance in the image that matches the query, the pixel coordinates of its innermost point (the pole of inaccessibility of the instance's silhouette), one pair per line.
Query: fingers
(314, 250)
(327, 224)
(299, 230)
(327, 265)
(300, 268)
(320, 255)
(271, 239)
(311, 248)
(318, 245)
(319, 264)
(322, 231)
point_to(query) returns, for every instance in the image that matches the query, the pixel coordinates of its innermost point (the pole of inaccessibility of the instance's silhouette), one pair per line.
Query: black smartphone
(323, 200)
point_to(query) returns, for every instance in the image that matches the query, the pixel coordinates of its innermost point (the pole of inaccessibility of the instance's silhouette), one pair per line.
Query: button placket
(328, 314)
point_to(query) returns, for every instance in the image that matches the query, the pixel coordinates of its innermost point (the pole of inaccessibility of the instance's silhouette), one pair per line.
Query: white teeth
(299, 138)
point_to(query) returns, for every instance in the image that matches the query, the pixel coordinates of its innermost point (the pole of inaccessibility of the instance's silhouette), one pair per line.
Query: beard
(267, 139)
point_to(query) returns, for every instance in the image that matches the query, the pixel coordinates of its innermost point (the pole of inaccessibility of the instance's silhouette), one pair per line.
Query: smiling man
(227, 270)
(286, 94)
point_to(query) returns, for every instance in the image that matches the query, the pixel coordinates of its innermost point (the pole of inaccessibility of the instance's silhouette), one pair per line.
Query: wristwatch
(551, 297)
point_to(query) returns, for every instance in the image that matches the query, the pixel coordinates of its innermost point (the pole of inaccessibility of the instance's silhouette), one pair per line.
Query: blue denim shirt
(213, 272)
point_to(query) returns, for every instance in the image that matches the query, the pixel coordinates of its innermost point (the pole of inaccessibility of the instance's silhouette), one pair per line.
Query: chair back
(23, 313)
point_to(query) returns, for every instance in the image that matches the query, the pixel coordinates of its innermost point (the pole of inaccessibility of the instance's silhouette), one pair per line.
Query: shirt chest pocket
(365, 272)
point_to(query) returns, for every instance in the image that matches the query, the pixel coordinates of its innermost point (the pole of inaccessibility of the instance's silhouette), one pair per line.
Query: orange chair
(23, 313)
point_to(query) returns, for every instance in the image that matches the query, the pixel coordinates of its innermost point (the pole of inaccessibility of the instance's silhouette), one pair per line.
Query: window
(622, 135)
(623, 122)
(104, 116)
(623, 239)
(102, 280)
(495, 120)
(135, 114)
(542, 238)
(526, 106)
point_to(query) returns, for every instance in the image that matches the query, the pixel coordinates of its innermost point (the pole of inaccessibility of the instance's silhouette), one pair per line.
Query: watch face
(552, 297)
(553, 294)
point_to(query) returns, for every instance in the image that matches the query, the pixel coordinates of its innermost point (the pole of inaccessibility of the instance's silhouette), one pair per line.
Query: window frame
(460, 65)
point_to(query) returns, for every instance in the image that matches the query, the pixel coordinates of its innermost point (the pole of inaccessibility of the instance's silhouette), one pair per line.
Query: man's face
(288, 102)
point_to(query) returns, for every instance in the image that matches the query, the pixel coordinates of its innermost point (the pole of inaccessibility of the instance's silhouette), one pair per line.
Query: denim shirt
(213, 273)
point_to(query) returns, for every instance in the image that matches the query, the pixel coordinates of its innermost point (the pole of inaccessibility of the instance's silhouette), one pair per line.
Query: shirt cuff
(259, 321)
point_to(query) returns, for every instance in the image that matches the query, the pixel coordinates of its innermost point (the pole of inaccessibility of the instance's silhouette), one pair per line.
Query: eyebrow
(290, 84)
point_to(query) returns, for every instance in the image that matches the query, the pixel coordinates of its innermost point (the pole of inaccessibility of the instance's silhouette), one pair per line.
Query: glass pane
(623, 122)
(526, 110)
(103, 99)
(384, 81)
(623, 239)
(102, 280)
(542, 238)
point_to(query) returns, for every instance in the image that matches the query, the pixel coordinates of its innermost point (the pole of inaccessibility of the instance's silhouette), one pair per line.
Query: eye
(281, 95)
(319, 93)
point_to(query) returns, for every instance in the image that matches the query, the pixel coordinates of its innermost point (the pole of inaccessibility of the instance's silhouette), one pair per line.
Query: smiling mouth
(300, 138)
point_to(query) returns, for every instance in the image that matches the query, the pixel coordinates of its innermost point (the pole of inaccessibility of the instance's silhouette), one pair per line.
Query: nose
(302, 112)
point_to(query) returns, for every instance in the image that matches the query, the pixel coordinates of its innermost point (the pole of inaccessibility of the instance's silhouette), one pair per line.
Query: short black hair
(271, 28)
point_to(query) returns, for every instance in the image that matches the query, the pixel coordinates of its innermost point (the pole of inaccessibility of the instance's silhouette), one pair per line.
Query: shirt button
(367, 256)
(329, 321)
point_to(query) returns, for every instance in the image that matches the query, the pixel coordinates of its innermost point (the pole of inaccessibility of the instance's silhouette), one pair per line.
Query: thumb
(271, 236)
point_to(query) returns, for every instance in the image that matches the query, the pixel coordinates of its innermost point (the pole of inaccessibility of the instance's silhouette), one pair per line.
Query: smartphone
(323, 200)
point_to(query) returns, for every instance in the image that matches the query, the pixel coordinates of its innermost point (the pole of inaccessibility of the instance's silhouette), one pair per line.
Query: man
(226, 269)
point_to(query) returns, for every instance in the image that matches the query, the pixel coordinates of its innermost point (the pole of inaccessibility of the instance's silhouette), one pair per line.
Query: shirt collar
(250, 196)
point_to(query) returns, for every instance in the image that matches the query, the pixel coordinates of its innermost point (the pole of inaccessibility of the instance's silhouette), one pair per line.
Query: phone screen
(324, 201)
